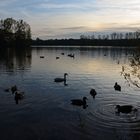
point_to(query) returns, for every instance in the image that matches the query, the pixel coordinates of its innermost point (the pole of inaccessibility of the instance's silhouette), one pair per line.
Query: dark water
(46, 112)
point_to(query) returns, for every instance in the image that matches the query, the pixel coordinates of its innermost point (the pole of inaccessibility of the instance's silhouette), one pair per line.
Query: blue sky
(69, 19)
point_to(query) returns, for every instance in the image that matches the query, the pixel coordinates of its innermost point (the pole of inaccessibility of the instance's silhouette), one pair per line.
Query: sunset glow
(69, 19)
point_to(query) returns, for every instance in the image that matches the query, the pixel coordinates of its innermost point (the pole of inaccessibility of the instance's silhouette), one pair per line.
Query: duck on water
(13, 89)
(80, 102)
(19, 96)
(117, 87)
(125, 109)
(61, 79)
(93, 92)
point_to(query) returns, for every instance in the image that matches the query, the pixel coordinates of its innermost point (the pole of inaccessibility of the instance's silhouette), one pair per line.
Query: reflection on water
(131, 70)
(12, 59)
(46, 111)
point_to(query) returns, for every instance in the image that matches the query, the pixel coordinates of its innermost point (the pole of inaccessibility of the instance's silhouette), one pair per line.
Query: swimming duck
(19, 96)
(57, 57)
(61, 79)
(117, 87)
(14, 89)
(93, 93)
(41, 56)
(125, 109)
(79, 102)
(71, 55)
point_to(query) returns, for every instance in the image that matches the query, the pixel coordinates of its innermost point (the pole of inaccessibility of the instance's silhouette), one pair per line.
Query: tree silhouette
(14, 33)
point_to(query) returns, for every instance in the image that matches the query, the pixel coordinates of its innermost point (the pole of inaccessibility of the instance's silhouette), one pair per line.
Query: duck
(14, 89)
(125, 109)
(41, 56)
(93, 92)
(71, 55)
(117, 87)
(79, 102)
(19, 96)
(57, 57)
(61, 79)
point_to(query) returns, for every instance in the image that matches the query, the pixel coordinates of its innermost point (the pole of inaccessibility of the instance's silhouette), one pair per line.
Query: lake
(46, 112)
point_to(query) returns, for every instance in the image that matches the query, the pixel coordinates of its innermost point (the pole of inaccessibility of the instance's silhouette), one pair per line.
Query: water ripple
(102, 114)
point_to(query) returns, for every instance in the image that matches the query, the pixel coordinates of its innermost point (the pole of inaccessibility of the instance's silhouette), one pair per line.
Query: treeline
(86, 42)
(113, 36)
(14, 33)
(113, 39)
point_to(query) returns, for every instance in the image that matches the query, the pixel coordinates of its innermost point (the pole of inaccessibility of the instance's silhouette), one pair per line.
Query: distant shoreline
(86, 42)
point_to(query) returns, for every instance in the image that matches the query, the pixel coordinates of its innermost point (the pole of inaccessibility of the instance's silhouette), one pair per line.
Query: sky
(51, 19)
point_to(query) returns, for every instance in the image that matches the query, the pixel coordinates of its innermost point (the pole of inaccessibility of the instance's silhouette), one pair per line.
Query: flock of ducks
(72, 55)
(82, 102)
(79, 102)
(19, 95)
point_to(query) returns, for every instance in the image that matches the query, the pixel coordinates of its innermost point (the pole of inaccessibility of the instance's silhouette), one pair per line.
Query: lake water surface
(46, 112)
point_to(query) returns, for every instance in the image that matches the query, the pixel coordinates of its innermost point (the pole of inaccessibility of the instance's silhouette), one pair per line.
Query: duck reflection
(65, 83)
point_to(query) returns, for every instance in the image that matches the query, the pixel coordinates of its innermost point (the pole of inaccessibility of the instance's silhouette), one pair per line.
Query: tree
(137, 33)
(14, 32)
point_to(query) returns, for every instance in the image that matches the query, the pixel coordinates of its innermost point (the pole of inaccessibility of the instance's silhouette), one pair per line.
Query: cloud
(66, 18)
(120, 29)
(58, 6)
(74, 28)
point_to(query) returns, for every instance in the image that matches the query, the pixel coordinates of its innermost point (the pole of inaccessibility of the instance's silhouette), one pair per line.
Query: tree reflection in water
(131, 72)
(15, 58)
